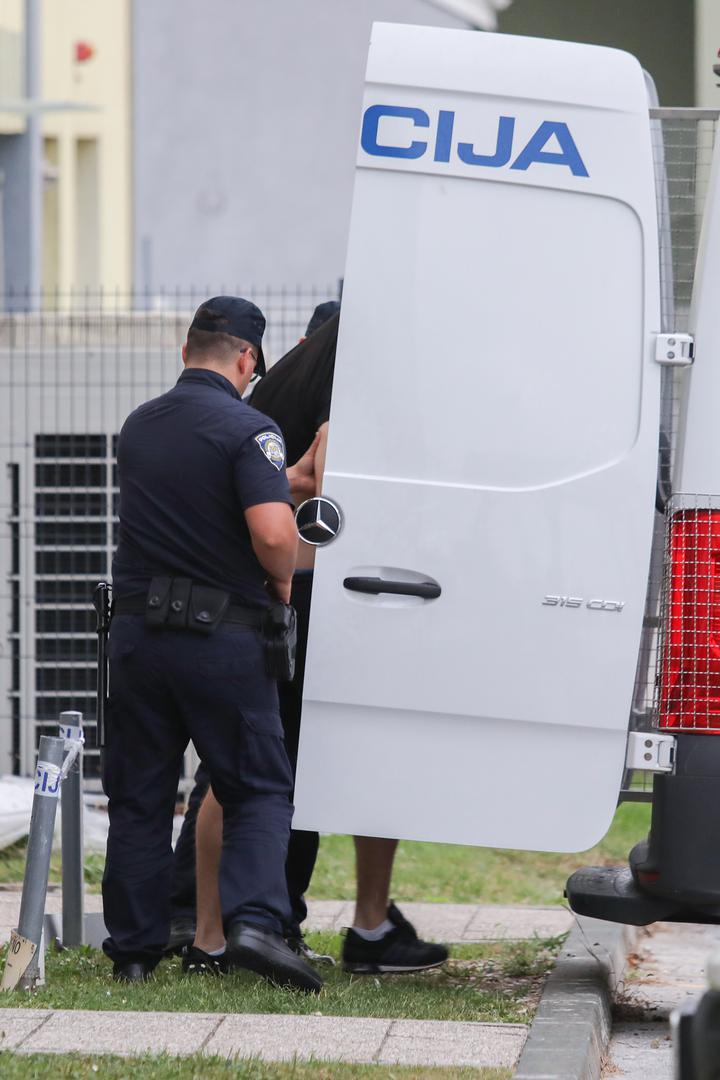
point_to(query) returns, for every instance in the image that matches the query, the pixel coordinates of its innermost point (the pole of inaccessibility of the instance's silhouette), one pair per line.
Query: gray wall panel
(245, 122)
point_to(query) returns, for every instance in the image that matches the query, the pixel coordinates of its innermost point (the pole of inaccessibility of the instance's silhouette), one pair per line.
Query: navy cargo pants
(167, 687)
(303, 846)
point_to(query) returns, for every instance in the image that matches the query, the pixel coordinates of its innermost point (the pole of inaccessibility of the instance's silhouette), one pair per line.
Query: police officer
(207, 540)
(297, 394)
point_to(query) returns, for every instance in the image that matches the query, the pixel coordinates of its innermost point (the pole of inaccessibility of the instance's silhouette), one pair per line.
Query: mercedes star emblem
(318, 521)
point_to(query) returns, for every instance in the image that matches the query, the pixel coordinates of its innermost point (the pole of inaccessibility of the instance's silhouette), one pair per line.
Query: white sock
(217, 952)
(375, 935)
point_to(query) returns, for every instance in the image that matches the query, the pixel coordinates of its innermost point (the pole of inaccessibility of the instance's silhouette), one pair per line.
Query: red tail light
(689, 698)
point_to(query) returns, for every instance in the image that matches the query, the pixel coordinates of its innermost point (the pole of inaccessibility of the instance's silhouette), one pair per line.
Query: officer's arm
(274, 540)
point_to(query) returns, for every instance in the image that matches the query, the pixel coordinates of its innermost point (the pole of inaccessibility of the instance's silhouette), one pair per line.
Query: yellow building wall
(11, 64)
(88, 246)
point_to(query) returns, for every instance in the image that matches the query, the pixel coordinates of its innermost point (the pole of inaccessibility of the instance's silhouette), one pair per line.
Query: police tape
(74, 743)
(47, 779)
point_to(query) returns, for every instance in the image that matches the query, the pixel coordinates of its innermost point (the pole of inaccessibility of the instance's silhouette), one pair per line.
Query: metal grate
(683, 142)
(71, 368)
(687, 695)
(75, 502)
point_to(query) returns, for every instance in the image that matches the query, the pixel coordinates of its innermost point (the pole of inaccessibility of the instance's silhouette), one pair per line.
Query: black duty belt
(234, 614)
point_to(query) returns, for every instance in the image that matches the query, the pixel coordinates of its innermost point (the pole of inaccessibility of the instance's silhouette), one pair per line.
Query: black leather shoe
(131, 971)
(182, 934)
(267, 954)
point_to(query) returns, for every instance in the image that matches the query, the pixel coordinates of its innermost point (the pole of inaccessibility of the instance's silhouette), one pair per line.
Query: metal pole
(71, 805)
(33, 90)
(37, 861)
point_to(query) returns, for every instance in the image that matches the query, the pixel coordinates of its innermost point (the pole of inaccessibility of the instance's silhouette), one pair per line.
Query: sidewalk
(270, 1037)
(436, 922)
(280, 1037)
(668, 969)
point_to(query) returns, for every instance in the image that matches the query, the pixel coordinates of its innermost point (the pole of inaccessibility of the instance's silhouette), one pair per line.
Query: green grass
(442, 873)
(77, 1067)
(446, 873)
(496, 982)
(12, 866)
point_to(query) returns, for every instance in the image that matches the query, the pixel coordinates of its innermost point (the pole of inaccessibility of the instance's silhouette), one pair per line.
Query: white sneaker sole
(388, 969)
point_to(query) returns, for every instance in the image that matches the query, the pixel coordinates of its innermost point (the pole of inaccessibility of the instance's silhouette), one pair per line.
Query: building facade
(245, 125)
(65, 145)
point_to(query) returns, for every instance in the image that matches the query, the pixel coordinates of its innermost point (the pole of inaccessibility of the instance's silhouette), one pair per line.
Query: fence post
(71, 806)
(22, 963)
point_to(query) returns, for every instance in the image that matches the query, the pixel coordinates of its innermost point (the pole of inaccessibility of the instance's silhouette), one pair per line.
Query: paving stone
(455, 922)
(669, 971)
(436, 922)
(438, 1042)
(329, 914)
(18, 1024)
(282, 1038)
(84, 1031)
(440, 922)
(496, 923)
(643, 1052)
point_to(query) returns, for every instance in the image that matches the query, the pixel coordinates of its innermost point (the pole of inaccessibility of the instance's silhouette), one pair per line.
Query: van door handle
(428, 590)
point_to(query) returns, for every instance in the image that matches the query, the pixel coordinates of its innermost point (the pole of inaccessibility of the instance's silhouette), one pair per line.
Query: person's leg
(209, 934)
(143, 759)
(374, 857)
(381, 938)
(182, 897)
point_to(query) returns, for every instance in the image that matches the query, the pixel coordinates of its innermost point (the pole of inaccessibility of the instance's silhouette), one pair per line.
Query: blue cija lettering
(369, 136)
(503, 147)
(535, 152)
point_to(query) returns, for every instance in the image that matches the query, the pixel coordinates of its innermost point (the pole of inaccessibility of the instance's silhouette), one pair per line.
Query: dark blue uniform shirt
(189, 463)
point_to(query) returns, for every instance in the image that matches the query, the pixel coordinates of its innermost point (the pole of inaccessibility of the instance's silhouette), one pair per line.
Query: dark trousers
(166, 688)
(303, 846)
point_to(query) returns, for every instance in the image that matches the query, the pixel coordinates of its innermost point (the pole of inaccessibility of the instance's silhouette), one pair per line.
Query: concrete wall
(245, 125)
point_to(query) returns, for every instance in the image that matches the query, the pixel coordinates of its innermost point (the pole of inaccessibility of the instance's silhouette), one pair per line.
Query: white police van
(493, 454)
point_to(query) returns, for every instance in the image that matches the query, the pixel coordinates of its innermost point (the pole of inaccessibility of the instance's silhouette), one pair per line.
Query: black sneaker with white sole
(400, 950)
(197, 962)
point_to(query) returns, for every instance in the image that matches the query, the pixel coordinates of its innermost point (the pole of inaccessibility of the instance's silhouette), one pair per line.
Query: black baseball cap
(321, 314)
(235, 316)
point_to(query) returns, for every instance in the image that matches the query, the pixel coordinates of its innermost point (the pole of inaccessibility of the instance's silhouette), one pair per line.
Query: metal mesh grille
(683, 142)
(71, 368)
(687, 693)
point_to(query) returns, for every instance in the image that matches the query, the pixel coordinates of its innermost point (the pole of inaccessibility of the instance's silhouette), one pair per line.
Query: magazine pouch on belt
(180, 604)
(207, 608)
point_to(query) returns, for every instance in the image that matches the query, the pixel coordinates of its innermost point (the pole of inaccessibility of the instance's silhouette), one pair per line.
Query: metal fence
(683, 144)
(71, 368)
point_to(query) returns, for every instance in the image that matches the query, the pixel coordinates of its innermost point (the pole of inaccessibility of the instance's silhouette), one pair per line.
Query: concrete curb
(569, 1035)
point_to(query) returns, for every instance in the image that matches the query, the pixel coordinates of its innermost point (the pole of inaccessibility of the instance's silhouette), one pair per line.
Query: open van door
(493, 446)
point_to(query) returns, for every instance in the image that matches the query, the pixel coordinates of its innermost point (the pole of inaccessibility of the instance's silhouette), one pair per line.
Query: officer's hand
(279, 589)
(301, 475)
